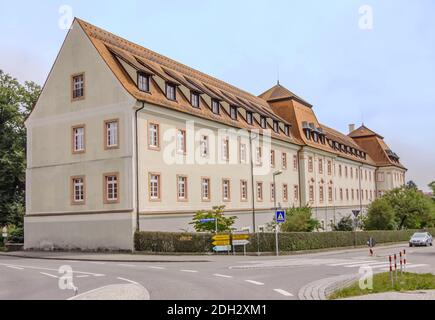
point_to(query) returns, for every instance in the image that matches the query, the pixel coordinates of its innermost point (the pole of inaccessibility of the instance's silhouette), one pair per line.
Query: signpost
(279, 218)
(205, 220)
(221, 242)
(240, 238)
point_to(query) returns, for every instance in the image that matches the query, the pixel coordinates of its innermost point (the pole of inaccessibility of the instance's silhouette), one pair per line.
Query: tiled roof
(279, 92)
(363, 131)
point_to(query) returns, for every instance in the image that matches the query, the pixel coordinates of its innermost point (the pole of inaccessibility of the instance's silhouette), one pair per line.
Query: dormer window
(215, 106)
(287, 130)
(276, 126)
(143, 82)
(249, 117)
(194, 99)
(263, 122)
(233, 112)
(170, 91)
(315, 136)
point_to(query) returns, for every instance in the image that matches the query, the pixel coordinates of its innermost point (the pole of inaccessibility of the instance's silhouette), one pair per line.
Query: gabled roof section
(112, 47)
(279, 92)
(363, 131)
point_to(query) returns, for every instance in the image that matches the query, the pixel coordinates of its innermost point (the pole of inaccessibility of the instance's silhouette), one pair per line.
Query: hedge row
(265, 242)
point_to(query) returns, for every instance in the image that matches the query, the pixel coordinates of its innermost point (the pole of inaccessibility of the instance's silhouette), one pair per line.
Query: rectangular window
(242, 153)
(284, 160)
(111, 181)
(205, 189)
(243, 190)
(181, 188)
(78, 190)
(276, 126)
(225, 149)
(347, 194)
(353, 194)
(381, 177)
(204, 147)
(233, 112)
(295, 162)
(226, 192)
(272, 158)
(112, 134)
(330, 195)
(78, 87)
(259, 191)
(285, 192)
(321, 194)
(249, 118)
(272, 192)
(171, 91)
(143, 82)
(321, 166)
(345, 171)
(341, 194)
(311, 193)
(339, 170)
(153, 136)
(154, 186)
(310, 164)
(329, 167)
(296, 193)
(351, 172)
(263, 122)
(194, 99)
(215, 106)
(78, 139)
(181, 141)
(258, 156)
(287, 130)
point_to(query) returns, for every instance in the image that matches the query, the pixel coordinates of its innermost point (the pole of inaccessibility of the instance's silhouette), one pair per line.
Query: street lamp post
(276, 173)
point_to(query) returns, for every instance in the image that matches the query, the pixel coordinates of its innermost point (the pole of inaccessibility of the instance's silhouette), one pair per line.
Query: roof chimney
(351, 127)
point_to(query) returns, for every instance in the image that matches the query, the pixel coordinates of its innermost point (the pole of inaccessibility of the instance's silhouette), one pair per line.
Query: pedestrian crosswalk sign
(280, 216)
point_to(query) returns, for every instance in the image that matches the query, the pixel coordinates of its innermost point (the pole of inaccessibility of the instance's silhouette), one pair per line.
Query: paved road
(222, 277)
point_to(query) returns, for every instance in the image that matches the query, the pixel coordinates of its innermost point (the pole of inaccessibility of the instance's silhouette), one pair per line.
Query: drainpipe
(137, 165)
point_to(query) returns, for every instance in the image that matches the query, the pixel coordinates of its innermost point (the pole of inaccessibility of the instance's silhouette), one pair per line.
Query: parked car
(421, 239)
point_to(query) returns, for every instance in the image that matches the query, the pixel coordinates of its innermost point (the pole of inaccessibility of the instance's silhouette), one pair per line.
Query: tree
(380, 216)
(16, 102)
(224, 224)
(299, 220)
(432, 186)
(411, 185)
(345, 224)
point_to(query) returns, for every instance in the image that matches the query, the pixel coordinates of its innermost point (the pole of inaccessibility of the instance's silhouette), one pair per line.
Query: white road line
(157, 268)
(131, 281)
(191, 271)
(83, 276)
(349, 262)
(407, 267)
(255, 282)
(365, 264)
(126, 265)
(222, 275)
(13, 267)
(49, 275)
(283, 292)
(97, 262)
(55, 270)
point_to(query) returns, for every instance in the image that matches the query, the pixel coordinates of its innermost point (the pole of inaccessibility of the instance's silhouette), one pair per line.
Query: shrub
(173, 242)
(380, 216)
(224, 224)
(299, 220)
(16, 235)
(345, 224)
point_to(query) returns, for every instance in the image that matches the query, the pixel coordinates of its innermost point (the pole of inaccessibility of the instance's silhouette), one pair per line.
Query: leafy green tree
(432, 186)
(411, 185)
(380, 216)
(345, 224)
(224, 224)
(412, 209)
(300, 220)
(16, 102)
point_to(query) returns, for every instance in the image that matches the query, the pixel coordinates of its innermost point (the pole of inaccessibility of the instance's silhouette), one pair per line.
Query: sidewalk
(412, 295)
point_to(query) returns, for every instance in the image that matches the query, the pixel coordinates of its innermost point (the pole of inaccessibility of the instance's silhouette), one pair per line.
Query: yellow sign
(221, 237)
(240, 236)
(221, 243)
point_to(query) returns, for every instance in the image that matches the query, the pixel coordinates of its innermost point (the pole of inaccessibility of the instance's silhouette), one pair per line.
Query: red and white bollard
(401, 263)
(395, 266)
(391, 271)
(404, 260)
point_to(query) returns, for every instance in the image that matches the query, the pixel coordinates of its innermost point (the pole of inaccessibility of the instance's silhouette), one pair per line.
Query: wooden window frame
(72, 86)
(74, 202)
(242, 199)
(196, 94)
(272, 194)
(186, 188)
(73, 144)
(284, 163)
(170, 84)
(105, 191)
(229, 190)
(208, 199)
(159, 191)
(213, 103)
(106, 146)
(150, 146)
(259, 183)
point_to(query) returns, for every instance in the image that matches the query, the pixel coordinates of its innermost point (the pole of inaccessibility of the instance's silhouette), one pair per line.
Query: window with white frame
(205, 188)
(111, 187)
(259, 191)
(78, 87)
(78, 139)
(215, 106)
(330, 195)
(225, 149)
(287, 130)
(381, 177)
(171, 91)
(285, 192)
(272, 192)
(154, 186)
(226, 196)
(272, 158)
(112, 132)
(244, 190)
(194, 99)
(182, 187)
(242, 153)
(263, 122)
(153, 134)
(181, 141)
(249, 117)
(143, 82)
(258, 156)
(329, 167)
(78, 184)
(284, 160)
(295, 162)
(233, 112)
(204, 146)
(310, 164)
(296, 192)
(321, 166)
(276, 126)
(321, 194)
(311, 193)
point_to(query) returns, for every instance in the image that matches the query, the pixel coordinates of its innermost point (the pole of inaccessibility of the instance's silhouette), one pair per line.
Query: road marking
(365, 264)
(222, 275)
(350, 262)
(126, 265)
(407, 267)
(49, 275)
(50, 269)
(97, 262)
(155, 267)
(283, 292)
(13, 267)
(83, 276)
(131, 281)
(191, 271)
(255, 282)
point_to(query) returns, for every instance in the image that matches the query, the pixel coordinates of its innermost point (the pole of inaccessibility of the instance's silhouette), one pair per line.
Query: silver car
(420, 239)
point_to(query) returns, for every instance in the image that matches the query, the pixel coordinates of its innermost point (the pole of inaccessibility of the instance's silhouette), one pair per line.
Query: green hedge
(292, 241)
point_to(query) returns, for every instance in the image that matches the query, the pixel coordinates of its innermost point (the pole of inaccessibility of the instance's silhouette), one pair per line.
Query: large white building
(123, 139)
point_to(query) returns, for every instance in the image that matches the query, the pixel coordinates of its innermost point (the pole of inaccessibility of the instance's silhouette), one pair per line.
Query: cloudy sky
(383, 75)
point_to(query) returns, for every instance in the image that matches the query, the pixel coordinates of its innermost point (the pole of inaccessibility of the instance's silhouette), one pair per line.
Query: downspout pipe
(137, 164)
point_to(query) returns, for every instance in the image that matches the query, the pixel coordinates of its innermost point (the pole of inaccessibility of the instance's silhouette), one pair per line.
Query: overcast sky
(384, 76)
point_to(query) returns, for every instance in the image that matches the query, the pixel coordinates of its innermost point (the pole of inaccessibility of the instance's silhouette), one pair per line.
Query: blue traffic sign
(280, 216)
(207, 220)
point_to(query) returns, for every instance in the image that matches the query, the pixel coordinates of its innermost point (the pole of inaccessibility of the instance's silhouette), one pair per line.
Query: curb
(321, 289)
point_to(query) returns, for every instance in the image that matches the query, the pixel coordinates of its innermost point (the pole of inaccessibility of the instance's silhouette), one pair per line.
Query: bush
(345, 224)
(224, 224)
(380, 216)
(299, 220)
(16, 235)
(173, 242)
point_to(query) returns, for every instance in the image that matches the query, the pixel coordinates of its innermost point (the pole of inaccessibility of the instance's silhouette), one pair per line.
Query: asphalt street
(215, 278)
